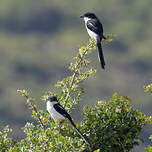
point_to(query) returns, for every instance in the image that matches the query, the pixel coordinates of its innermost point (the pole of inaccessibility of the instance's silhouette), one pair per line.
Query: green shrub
(110, 126)
(148, 88)
(5, 141)
(114, 125)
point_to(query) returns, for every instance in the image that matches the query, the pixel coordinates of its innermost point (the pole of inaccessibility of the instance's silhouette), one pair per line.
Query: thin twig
(35, 109)
(74, 75)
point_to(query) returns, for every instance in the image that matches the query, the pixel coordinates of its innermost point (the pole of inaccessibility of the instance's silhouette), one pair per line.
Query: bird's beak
(82, 16)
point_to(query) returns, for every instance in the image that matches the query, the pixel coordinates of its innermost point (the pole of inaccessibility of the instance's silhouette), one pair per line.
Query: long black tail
(73, 124)
(101, 57)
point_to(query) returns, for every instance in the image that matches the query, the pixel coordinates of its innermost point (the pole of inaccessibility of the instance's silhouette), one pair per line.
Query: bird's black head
(52, 98)
(89, 15)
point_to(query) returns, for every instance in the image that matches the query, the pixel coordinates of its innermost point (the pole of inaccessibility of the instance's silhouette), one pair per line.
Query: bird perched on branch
(95, 31)
(58, 113)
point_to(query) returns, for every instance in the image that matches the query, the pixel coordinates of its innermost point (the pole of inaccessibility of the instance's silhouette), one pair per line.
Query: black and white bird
(95, 31)
(58, 113)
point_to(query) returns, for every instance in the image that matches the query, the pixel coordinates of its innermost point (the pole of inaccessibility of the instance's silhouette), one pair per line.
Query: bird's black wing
(62, 111)
(95, 26)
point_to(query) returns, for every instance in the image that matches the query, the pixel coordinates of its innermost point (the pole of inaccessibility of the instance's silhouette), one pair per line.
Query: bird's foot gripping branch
(110, 126)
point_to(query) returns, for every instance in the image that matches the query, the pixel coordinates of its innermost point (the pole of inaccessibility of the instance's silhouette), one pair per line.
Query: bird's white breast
(93, 35)
(54, 114)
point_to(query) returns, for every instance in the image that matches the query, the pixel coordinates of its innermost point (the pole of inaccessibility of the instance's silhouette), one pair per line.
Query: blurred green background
(38, 39)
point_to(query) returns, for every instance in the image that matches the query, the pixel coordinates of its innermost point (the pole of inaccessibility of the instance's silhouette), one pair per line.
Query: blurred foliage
(149, 148)
(148, 88)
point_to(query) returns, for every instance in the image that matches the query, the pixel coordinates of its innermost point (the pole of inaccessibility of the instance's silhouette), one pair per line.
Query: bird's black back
(95, 26)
